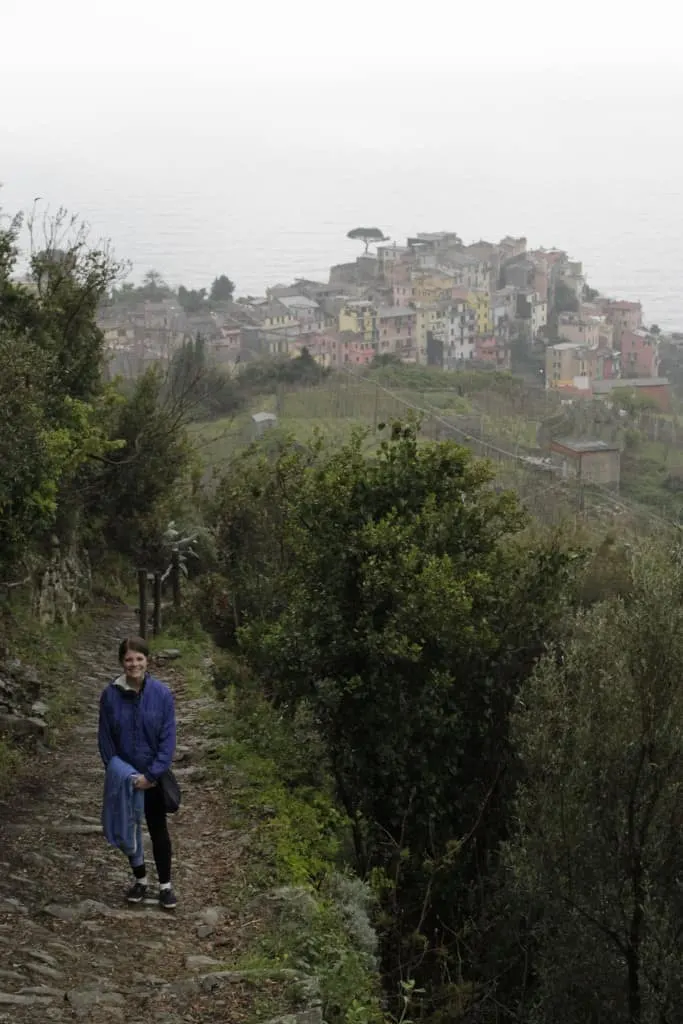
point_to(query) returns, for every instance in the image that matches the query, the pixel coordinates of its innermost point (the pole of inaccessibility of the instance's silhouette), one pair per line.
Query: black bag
(170, 791)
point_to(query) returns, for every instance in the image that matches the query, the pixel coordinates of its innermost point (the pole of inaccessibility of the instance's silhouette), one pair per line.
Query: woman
(137, 724)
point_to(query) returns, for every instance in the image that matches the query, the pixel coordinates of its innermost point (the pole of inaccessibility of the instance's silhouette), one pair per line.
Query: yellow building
(430, 287)
(429, 318)
(278, 317)
(359, 318)
(480, 302)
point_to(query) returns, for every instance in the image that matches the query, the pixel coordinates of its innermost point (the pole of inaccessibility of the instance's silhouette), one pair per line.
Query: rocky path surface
(70, 948)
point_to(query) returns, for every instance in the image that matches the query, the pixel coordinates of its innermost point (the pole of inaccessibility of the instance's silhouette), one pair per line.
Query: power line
(624, 504)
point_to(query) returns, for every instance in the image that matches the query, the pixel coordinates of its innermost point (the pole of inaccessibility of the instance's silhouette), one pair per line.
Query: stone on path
(15, 999)
(79, 830)
(9, 905)
(40, 954)
(83, 999)
(46, 972)
(6, 975)
(198, 963)
(82, 911)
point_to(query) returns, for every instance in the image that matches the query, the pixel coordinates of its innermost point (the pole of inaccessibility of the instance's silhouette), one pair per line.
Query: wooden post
(142, 601)
(175, 576)
(156, 621)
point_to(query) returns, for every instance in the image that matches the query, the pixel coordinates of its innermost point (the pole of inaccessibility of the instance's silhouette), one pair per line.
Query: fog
(206, 139)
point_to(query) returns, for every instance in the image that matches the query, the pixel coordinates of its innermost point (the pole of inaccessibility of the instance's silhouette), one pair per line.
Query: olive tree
(597, 861)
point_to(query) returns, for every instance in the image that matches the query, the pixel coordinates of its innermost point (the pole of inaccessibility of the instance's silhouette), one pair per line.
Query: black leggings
(155, 816)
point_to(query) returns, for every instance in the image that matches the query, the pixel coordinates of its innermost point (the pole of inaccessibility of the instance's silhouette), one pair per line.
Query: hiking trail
(70, 947)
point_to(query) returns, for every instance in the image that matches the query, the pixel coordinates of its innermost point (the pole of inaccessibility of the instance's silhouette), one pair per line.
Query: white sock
(165, 885)
(142, 881)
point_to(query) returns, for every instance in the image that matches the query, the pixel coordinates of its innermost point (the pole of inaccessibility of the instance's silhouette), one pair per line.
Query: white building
(461, 330)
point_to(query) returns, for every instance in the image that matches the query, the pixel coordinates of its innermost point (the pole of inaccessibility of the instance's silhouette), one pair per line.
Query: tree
(597, 859)
(204, 390)
(222, 289)
(368, 236)
(383, 593)
(153, 289)
(564, 299)
(192, 300)
(55, 406)
(143, 483)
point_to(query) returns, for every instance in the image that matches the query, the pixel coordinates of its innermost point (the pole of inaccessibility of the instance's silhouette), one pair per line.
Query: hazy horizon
(250, 142)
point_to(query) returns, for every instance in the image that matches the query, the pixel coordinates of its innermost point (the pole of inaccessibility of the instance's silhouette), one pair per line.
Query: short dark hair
(133, 643)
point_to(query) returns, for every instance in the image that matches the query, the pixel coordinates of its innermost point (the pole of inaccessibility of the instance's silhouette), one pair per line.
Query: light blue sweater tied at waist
(123, 808)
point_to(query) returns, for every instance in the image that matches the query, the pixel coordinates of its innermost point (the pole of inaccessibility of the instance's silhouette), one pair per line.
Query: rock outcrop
(22, 713)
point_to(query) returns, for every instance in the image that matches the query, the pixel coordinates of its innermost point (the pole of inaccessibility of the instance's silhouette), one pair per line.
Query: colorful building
(655, 388)
(430, 320)
(359, 317)
(396, 327)
(480, 302)
(571, 365)
(624, 316)
(461, 332)
(639, 354)
(493, 351)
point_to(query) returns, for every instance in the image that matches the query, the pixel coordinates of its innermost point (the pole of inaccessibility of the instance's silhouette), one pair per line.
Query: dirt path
(70, 948)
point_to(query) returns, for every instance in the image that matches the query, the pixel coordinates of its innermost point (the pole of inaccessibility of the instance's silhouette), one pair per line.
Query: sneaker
(167, 900)
(137, 893)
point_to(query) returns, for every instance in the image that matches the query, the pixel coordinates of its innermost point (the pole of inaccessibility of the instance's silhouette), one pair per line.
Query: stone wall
(64, 584)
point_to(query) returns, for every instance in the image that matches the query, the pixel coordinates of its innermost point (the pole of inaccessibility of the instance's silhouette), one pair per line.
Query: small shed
(262, 421)
(590, 462)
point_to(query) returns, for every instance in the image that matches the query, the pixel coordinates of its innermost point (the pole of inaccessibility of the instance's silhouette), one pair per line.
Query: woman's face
(135, 666)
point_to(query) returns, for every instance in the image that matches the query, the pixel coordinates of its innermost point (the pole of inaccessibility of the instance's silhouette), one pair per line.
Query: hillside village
(433, 301)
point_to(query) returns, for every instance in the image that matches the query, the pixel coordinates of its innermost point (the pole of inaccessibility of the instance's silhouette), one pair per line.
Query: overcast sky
(157, 32)
(180, 128)
(80, 70)
(214, 40)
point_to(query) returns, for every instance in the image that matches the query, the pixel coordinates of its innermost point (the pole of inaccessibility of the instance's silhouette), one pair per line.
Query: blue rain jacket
(139, 728)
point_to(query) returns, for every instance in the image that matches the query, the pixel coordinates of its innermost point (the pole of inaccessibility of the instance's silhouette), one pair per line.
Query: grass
(341, 404)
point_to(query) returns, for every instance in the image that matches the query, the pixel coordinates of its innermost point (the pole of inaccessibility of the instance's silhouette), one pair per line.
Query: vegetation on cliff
(495, 714)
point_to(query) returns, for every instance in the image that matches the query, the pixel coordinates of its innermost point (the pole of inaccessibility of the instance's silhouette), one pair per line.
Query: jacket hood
(123, 684)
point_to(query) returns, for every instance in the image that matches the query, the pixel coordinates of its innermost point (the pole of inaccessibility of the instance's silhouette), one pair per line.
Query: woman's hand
(140, 782)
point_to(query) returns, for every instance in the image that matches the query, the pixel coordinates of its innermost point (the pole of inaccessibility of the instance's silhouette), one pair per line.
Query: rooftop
(297, 302)
(460, 259)
(604, 386)
(388, 311)
(623, 304)
(581, 447)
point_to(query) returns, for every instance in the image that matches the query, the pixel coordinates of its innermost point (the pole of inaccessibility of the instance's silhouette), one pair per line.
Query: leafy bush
(595, 859)
(55, 406)
(145, 483)
(383, 594)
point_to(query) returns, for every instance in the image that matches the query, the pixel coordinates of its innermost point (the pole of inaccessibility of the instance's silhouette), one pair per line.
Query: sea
(264, 187)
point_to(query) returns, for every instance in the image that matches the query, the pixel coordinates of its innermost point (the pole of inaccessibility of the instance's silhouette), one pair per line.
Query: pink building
(624, 316)
(324, 348)
(355, 350)
(403, 293)
(336, 349)
(491, 350)
(639, 354)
